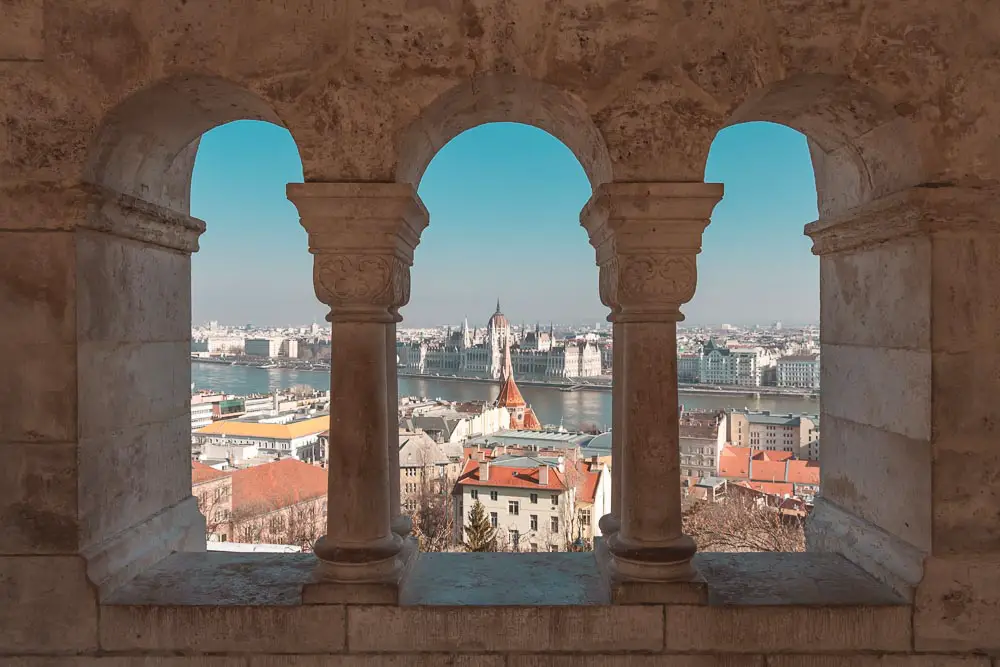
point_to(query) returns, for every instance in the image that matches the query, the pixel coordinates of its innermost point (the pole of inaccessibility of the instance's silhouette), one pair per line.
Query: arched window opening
(502, 336)
(872, 195)
(134, 251)
(259, 357)
(748, 351)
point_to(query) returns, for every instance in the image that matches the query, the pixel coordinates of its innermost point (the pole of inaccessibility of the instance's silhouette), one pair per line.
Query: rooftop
(249, 428)
(508, 477)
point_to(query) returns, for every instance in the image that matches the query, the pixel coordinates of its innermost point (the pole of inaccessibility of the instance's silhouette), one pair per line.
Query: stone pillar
(647, 236)
(95, 431)
(362, 236)
(910, 307)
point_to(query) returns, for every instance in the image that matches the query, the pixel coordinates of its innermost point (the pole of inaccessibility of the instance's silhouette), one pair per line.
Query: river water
(574, 409)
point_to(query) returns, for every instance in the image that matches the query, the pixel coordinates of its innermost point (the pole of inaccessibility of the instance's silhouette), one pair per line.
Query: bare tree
(298, 525)
(213, 505)
(739, 523)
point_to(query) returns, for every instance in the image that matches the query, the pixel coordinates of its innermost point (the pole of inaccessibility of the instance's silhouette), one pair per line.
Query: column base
(402, 525)
(608, 525)
(648, 582)
(371, 582)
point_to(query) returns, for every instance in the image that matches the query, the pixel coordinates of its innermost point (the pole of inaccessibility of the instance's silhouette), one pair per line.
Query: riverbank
(568, 386)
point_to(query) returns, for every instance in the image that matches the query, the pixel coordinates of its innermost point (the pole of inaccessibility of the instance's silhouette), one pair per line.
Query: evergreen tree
(480, 535)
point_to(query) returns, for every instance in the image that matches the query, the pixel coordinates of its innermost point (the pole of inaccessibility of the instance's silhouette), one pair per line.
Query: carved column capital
(363, 236)
(646, 236)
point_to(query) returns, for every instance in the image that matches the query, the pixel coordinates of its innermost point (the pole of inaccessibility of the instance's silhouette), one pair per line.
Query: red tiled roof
(586, 488)
(502, 476)
(280, 484)
(201, 473)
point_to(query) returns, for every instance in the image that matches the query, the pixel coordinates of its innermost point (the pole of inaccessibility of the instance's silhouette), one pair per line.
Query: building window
(534, 522)
(555, 524)
(534, 547)
(585, 518)
(493, 495)
(475, 494)
(513, 507)
(515, 538)
(553, 548)
(534, 498)
(493, 519)
(555, 499)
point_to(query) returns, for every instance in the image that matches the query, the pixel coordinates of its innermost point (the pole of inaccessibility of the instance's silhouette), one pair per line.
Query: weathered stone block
(471, 629)
(885, 388)
(38, 492)
(957, 606)
(37, 286)
(21, 35)
(130, 661)
(287, 629)
(966, 300)
(877, 661)
(41, 405)
(131, 291)
(130, 475)
(755, 629)
(379, 660)
(674, 660)
(48, 605)
(878, 297)
(151, 383)
(861, 463)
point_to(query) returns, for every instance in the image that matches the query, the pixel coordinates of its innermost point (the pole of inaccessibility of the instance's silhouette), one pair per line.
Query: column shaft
(650, 460)
(359, 504)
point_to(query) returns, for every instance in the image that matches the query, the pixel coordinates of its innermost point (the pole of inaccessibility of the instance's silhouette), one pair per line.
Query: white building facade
(801, 371)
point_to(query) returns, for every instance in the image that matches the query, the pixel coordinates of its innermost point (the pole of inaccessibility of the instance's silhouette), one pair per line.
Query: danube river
(551, 405)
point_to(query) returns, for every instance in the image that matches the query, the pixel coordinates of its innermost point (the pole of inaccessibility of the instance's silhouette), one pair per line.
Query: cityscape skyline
(527, 244)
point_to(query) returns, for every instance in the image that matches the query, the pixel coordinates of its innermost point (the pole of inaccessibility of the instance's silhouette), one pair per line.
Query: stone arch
(146, 146)
(861, 147)
(503, 98)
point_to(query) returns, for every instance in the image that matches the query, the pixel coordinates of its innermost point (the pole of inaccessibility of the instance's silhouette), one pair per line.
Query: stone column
(362, 236)
(647, 236)
(401, 524)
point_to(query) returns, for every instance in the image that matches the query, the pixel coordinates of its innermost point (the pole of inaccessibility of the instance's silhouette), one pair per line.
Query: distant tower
(521, 415)
(497, 336)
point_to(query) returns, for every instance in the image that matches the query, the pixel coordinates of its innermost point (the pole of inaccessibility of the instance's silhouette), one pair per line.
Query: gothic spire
(498, 304)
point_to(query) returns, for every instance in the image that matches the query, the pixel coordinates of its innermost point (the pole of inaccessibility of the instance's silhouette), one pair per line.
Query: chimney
(787, 465)
(543, 475)
(750, 466)
(484, 471)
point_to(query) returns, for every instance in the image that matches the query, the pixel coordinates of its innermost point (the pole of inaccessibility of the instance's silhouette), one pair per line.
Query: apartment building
(701, 440)
(290, 437)
(796, 434)
(769, 471)
(536, 503)
(800, 370)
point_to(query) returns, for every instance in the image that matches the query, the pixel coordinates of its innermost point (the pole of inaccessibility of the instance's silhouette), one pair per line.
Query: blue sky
(505, 201)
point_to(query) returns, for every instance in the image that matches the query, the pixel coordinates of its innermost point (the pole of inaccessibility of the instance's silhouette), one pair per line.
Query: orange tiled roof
(502, 476)
(276, 431)
(201, 473)
(510, 395)
(767, 466)
(280, 484)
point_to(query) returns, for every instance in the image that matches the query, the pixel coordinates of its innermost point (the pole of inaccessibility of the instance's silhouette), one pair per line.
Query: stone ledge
(470, 603)
(497, 580)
